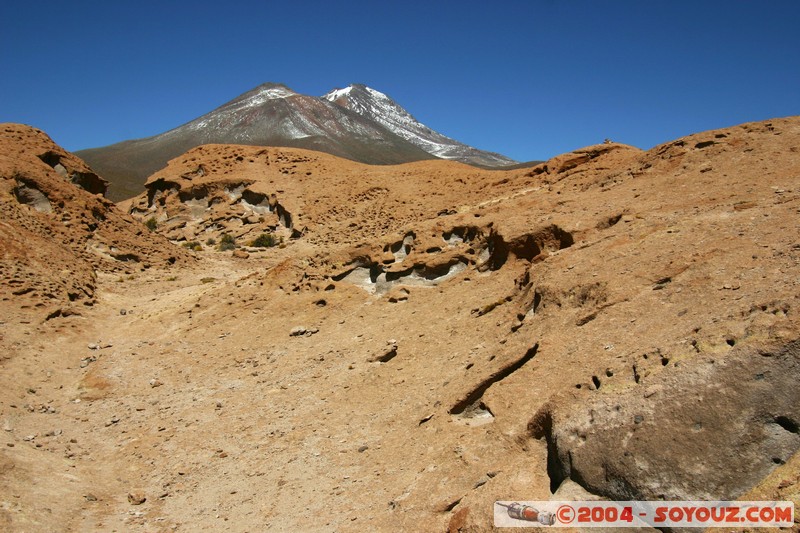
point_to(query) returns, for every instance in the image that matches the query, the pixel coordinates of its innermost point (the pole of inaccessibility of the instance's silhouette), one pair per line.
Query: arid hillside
(409, 344)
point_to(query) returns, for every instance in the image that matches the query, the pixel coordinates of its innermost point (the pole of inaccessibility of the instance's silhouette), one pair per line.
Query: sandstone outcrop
(58, 230)
(427, 339)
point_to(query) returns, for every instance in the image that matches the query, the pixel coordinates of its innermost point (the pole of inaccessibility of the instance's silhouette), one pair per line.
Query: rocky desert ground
(420, 341)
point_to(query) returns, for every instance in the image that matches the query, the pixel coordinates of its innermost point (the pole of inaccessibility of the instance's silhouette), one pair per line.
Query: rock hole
(28, 194)
(542, 427)
(537, 299)
(664, 361)
(609, 373)
(596, 382)
(704, 144)
(788, 424)
(730, 341)
(578, 386)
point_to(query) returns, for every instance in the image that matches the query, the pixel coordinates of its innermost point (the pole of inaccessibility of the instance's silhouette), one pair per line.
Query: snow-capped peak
(380, 108)
(337, 93)
(269, 91)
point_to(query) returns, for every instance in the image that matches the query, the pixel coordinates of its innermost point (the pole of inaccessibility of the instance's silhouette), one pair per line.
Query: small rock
(653, 389)
(362, 449)
(136, 498)
(481, 482)
(90, 497)
(240, 254)
(155, 382)
(297, 331)
(123, 312)
(93, 346)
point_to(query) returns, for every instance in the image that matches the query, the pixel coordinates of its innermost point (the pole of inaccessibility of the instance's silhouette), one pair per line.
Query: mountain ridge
(272, 114)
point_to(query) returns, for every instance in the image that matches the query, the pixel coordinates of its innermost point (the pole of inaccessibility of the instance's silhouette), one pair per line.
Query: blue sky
(529, 79)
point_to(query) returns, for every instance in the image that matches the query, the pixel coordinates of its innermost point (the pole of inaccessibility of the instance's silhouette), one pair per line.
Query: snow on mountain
(377, 106)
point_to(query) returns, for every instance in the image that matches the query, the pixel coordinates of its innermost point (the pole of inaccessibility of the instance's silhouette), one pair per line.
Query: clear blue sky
(529, 79)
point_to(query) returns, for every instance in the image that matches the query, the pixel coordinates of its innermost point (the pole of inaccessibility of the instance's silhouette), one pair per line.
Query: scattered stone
(363, 448)
(653, 389)
(90, 497)
(155, 382)
(240, 254)
(93, 346)
(299, 331)
(123, 312)
(481, 482)
(136, 498)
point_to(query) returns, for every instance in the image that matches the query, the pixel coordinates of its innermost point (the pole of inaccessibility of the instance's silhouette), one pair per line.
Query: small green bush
(265, 240)
(227, 242)
(151, 223)
(193, 245)
(211, 241)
